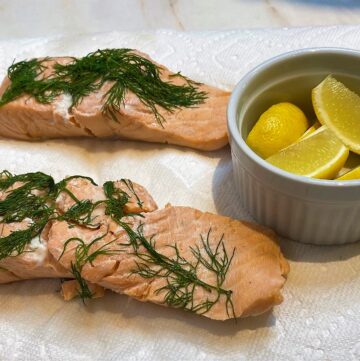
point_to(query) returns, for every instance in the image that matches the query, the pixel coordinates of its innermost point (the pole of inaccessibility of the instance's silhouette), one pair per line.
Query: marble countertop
(32, 18)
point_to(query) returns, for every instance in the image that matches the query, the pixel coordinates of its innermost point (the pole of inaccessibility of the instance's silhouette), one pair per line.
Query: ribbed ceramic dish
(307, 210)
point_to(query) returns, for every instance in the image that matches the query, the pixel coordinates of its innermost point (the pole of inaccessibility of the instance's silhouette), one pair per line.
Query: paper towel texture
(320, 317)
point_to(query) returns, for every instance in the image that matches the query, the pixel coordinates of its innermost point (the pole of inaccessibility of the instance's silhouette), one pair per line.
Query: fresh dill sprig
(129, 184)
(15, 243)
(124, 69)
(84, 256)
(37, 180)
(61, 186)
(182, 276)
(127, 71)
(27, 77)
(116, 200)
(81, 212)
(30, 198)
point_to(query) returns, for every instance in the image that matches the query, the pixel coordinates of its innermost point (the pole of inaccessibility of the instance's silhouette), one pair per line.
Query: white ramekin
(303, 209)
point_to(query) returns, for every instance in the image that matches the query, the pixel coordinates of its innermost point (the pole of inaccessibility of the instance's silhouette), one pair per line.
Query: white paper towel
(320, 317)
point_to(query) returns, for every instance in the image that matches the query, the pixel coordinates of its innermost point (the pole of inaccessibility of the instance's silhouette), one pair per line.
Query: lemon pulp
(353, 174)
(320, 155)
(338, 107)
(311, 130)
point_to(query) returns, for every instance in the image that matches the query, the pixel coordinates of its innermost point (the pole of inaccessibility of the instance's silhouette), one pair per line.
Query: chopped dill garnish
(126, 71)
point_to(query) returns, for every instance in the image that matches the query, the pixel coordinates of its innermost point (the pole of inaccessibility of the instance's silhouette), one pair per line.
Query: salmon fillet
(36, 261)
(119, 240)
(202, 127)
(232, 257)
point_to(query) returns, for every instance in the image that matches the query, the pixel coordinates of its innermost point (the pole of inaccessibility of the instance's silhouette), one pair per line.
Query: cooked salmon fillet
(114, 237)
(36, 261)
(202, 127)
(254, 277)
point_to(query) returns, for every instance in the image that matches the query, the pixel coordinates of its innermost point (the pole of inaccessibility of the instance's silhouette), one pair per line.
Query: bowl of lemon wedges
(294, 127)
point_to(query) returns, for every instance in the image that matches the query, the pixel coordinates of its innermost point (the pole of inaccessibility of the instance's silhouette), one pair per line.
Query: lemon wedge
(351, 163)
(353, 174)
(320, 155)
(339, 108)
(311, 130)
(278, 127)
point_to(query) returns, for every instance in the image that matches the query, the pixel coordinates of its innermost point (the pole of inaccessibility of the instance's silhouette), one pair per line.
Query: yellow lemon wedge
(351, 163)
(320, 155)
(278, 127)
(338, 107)
(353, 174)
(311, 130)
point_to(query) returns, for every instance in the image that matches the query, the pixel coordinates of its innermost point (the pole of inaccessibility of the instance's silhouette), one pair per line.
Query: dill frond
(30, 198)
(182, 276)
(130, 186)
(27, 78)
(116, 200)
(84, 256)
